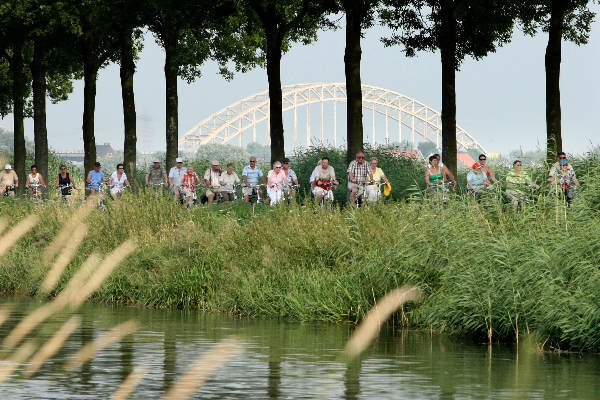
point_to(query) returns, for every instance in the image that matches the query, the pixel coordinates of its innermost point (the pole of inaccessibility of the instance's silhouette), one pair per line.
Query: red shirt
(188, 180)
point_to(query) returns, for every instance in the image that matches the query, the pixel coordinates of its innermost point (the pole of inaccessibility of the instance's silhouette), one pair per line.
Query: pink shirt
(276, 179)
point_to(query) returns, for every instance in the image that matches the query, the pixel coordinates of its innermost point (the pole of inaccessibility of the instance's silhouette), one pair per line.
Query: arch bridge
(405, 119)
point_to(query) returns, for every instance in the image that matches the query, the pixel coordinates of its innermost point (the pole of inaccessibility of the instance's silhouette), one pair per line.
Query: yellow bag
(387, 189)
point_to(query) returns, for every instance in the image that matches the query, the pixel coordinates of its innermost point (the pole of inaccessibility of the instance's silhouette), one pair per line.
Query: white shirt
(176, 175)
(116, 182)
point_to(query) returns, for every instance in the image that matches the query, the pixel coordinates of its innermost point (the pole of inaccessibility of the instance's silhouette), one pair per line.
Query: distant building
(464, 160)
(104, 150)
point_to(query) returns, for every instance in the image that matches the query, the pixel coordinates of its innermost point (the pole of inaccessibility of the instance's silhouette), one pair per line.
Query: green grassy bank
(485, 270)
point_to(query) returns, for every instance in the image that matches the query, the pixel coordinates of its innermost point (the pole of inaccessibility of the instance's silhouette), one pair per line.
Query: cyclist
(276, 180)
(188, 185)
(212, 178)
(175, 176)
(34, 180)
(292, 178)
(156, 176)
(8, 181)
(434, 175)
(563, 174)
(446, 173)
(375, 176)
(117, 181)
(487, 170)
(95, 178)
(517, 181)
(250, 176)
(476, 179)
(228, 180)
(64, 181)
(325, 180)
(358, 173)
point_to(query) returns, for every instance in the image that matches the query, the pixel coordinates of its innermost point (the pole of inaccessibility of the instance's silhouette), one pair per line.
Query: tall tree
(457, 28)
(359, 16)
(13, 41)
(562, 19)
(172, 24)
(128, 22)
(276, 24)
(52, 66)
(191, 32)
(96, 44)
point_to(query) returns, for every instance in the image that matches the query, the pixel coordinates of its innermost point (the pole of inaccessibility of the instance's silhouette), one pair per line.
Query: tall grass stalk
(50, 347)
(88, 351)
(203, 368)
(129, 384)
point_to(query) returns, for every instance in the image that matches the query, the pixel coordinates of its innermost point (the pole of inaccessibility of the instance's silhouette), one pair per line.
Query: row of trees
(46, 44)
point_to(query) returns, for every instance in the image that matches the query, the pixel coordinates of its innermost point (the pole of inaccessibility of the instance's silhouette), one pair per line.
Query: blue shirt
(252, 174)
(477, 180)
(96, 178)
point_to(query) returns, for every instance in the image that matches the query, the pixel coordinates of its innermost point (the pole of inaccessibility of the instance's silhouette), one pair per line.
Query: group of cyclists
(518, 182)
(365, 180)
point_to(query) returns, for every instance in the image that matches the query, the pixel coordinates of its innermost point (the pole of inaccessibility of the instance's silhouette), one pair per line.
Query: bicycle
(255, 195)
(157, 188)
(287, 192)
(326, 200)
(187, 195)
(521, 196)
(360, 193)
(35, 192)
(9, 191)
(220, 198)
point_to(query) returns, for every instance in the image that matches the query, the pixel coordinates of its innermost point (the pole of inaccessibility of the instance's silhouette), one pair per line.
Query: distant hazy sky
(500, 100)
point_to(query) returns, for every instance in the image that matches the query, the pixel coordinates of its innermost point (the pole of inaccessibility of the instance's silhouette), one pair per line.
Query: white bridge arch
(412, 117)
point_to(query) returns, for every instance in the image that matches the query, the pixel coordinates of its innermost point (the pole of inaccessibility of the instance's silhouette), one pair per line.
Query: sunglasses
(359, 158)
(277, 167)
(562, 158)
(482, 159)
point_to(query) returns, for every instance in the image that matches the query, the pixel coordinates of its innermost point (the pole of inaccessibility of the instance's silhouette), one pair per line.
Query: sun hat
(387, 189)
(476, 165)
(97, 164)
(178, 159)
(214, 162)
(7, 166)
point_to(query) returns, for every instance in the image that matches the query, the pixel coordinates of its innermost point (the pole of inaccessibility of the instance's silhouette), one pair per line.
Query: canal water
(283, 360)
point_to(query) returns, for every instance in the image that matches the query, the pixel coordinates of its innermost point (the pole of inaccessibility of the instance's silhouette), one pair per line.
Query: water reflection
(169, 359)
(352, 380)
(283, 360)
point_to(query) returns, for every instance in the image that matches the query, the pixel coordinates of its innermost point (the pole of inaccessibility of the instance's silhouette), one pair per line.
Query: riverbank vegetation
(486, 272)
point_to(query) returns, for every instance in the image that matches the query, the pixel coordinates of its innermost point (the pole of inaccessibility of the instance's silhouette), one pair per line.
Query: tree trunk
(352, 57)
(40, 133)
(448, 57)
(552, 61)
(274, 41)
(129, 116)
(18, 92)
(170, 39)
(90, 74)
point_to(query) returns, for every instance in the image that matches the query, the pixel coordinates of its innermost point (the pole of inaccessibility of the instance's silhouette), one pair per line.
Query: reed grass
(88, 351)
(129, 384)
(486, 272)
(52, 345)
(206, 365)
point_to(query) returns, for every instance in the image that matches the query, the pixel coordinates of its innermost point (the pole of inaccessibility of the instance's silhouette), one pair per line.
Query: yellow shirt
(377, 176)
(8, 179)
